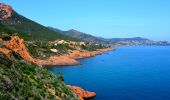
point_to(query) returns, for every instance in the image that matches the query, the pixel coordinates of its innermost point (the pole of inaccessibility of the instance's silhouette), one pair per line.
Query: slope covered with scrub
(23, 80)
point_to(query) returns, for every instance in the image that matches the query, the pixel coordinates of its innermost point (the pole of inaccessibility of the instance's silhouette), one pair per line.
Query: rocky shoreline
(17, 45)
(70, 59)
(82, 93)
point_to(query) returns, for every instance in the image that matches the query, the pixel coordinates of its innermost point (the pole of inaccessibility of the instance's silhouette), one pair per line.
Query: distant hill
(128, 41)
(80, 35)
(139, 39)
(11, 21)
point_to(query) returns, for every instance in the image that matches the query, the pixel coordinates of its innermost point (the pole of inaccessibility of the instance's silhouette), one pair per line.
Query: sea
(128, 73)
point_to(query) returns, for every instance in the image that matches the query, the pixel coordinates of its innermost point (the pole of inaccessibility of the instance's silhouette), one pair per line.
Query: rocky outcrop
(5, 11)
(57, 60)
(69, 59)
(82, 93)
(5, 51)
(77, 54)
(17, 44)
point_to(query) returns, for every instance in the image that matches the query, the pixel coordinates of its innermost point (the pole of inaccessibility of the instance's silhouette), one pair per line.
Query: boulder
(81, 92)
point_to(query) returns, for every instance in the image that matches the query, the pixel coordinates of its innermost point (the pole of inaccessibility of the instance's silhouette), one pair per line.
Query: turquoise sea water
(129, 73)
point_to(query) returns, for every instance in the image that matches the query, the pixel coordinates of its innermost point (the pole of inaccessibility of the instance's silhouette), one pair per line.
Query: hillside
(23, 80)
(12, 22)
(138, 41)
(125, 41)
(80, 35)
(115, 40)
(21, 74)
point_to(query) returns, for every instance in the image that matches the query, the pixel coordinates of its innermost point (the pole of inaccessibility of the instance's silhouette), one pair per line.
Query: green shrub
(23, 80)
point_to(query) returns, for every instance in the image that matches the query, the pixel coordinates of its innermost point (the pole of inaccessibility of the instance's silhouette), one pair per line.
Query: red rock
(5, 11)
(5, 51)
(17, 44)
(81, 92)
(57, 60)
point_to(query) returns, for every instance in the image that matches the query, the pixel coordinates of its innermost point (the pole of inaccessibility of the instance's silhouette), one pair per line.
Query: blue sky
(106, 18)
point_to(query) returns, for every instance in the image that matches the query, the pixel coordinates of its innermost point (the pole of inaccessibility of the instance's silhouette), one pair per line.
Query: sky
(105, 18)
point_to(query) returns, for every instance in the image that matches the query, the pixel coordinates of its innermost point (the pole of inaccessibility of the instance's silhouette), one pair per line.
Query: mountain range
(80, 35)
(95, 39)
(12, 22)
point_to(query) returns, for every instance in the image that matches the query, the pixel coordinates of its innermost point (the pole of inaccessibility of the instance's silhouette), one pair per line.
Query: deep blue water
(129, 73)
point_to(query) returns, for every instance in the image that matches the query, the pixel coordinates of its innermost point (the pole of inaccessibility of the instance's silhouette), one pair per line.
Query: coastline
(17, 45)
(71, 58)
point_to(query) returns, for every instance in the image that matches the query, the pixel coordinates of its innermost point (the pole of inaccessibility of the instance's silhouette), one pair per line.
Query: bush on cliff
(93, 47)
(41, 49)
(22, 80)
(6, 30)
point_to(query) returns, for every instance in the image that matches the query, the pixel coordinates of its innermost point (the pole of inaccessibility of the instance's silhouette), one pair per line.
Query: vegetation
(4, 30)
(81, 36)
(93, 47)
(26, 81)
(29, 29)
(41, 49)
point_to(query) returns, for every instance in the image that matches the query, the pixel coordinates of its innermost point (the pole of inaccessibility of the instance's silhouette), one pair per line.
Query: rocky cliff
(17, 44)
(82, 93)
(5, 11)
